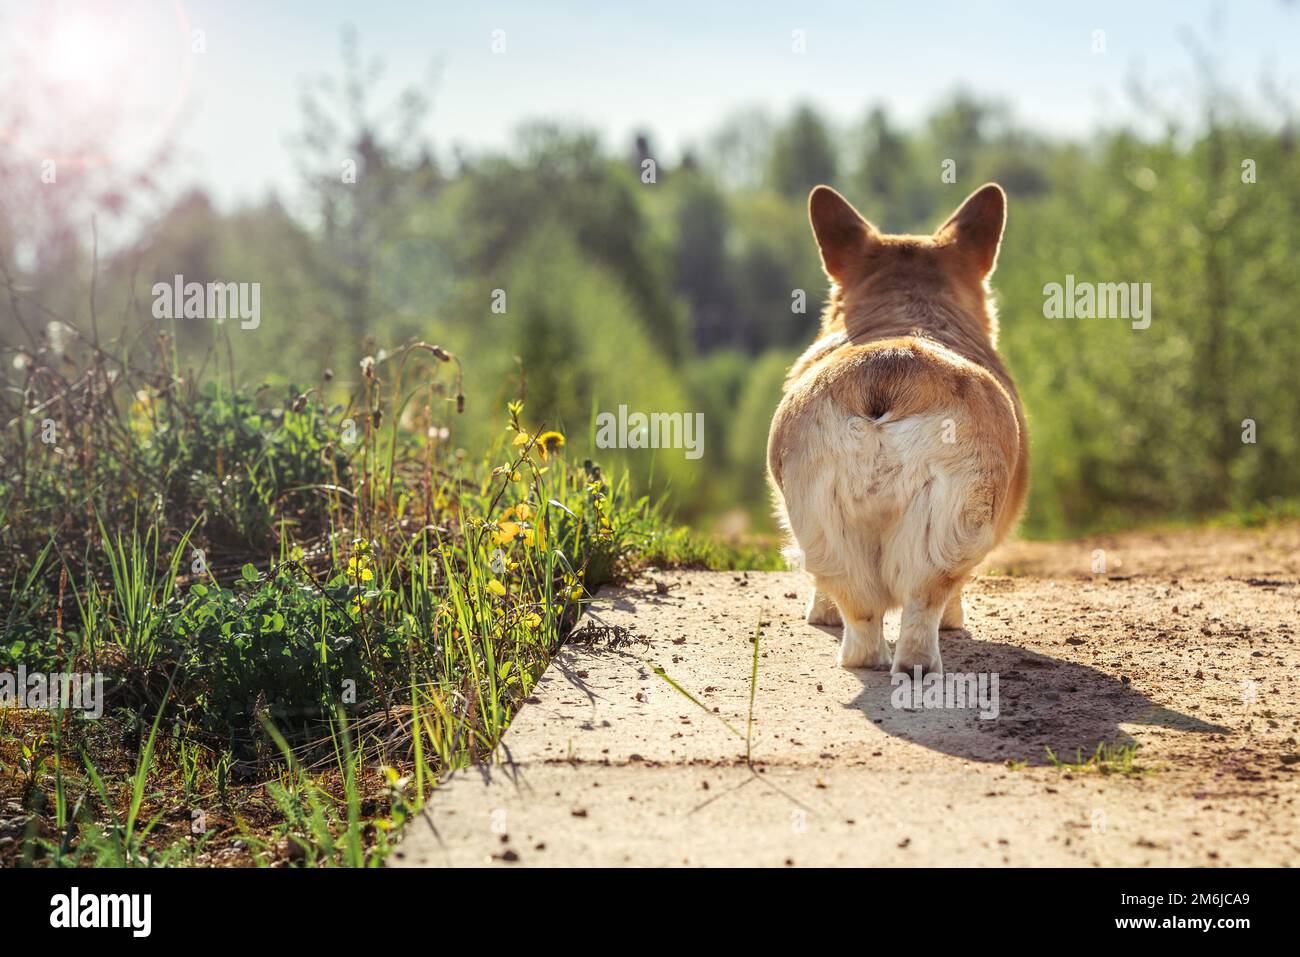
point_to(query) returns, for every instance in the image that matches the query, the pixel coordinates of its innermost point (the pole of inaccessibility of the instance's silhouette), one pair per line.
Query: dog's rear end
(898, 454)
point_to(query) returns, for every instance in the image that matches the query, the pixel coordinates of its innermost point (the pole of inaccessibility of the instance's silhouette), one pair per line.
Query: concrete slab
(608, 764)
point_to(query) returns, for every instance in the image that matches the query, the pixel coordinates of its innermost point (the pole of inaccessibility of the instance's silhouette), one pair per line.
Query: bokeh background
(506, 148)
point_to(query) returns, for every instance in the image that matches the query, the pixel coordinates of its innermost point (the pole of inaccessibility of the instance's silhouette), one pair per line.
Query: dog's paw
(863, 658)
(861, 648)
(823, 611)
(906, 664)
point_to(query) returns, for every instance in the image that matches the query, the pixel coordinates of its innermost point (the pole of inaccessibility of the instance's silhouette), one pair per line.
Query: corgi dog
(898, 455)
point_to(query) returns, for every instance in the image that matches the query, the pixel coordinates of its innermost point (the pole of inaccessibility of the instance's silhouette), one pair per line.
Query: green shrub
(276, 642)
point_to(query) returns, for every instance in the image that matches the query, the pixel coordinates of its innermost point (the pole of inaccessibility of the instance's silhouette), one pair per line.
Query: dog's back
(898, 452)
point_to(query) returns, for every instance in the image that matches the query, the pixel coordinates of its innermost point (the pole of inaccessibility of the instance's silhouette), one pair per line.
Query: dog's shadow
(1041, 703)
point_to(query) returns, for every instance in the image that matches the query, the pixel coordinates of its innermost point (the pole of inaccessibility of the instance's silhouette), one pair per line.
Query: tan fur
(898, 455)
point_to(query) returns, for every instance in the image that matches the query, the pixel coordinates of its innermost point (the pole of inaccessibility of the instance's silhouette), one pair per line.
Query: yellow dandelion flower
(550, 443)
(359, 569)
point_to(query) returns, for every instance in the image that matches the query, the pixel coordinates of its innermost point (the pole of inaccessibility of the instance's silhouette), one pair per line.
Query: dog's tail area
(840, 475)
(904, 453)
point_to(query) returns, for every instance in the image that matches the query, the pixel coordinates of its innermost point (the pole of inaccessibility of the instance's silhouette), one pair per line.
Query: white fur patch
(881, 508)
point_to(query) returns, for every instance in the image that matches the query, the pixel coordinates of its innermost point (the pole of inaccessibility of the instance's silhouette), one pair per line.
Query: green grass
(1107, 759)
(299, 635)
(683, 547)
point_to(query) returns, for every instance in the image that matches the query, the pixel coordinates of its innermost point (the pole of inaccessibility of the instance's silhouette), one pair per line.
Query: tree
(702, 272)
(802, 154)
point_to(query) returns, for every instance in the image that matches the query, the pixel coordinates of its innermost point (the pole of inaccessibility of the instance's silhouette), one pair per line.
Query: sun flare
(90, 67)
(82, 52)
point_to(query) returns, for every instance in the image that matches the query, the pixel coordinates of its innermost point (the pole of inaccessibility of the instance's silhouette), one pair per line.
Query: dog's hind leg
(953, 618)
(822, 610)
(918, 637)
(863, 645)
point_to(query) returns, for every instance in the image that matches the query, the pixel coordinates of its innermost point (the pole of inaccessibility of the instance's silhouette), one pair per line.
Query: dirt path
(1186, 645)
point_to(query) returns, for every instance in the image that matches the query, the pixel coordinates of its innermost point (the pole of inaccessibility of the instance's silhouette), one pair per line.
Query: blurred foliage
(679, 291)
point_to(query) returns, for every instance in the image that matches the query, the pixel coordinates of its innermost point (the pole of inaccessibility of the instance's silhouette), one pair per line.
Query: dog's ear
(976, 227)
(844, 237)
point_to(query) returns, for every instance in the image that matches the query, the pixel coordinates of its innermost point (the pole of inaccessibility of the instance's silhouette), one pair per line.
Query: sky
(231, 105)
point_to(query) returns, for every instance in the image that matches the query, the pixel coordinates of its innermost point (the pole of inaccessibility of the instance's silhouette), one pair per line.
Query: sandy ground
(1186, 645)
